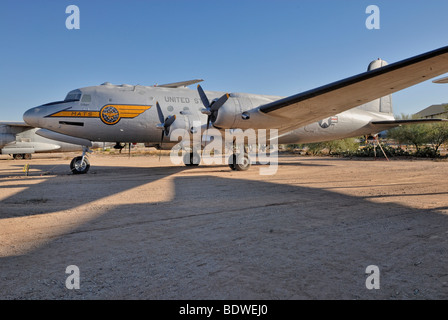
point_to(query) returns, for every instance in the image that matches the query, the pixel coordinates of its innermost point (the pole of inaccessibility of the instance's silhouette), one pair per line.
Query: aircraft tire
(17, 156)
(79, 168)
(239, 162)
(192, 159)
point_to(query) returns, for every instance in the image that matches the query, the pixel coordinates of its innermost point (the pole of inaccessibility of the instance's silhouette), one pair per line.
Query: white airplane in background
(21, 140)
(356, 106)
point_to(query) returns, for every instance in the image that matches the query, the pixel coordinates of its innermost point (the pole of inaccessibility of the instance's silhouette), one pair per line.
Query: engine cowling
(240, 112)
(227, 114)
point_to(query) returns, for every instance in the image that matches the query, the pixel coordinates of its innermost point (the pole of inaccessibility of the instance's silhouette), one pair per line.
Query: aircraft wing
(314, 105)
(181, 84)
(16, 124)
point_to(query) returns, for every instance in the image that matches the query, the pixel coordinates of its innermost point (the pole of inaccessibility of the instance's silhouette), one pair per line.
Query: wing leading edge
(314, 105)
(181, 84)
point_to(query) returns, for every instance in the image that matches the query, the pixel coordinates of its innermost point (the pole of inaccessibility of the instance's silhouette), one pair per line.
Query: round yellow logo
(109, 114)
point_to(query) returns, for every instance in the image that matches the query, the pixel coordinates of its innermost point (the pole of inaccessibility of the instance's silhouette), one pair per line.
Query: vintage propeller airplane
(356, 106)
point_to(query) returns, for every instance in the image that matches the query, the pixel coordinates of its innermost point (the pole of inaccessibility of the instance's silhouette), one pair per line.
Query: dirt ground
(140, 228)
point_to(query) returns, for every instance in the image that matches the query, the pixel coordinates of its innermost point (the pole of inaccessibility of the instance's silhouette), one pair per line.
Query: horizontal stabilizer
(396, 123)
(441, 80)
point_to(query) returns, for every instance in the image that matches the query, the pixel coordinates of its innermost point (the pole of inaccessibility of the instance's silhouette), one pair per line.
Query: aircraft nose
(33, 116)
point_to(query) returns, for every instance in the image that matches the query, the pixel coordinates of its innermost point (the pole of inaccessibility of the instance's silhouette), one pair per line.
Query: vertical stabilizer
(384, 104)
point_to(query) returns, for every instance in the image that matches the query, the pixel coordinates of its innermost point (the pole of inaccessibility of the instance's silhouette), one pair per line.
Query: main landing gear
(238, 161)
(80, 164)
(20, 156)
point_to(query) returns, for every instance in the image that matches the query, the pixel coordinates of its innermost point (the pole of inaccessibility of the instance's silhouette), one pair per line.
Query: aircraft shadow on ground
(53, 196)
(84, 186)
(219, 238)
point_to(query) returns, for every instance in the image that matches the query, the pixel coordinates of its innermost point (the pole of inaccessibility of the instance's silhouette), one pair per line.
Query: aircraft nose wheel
(192, 159)
(79, 166)
(239, 162)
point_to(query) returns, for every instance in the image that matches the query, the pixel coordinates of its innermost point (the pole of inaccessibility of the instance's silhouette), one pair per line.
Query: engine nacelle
(240, 111)
(227, 114)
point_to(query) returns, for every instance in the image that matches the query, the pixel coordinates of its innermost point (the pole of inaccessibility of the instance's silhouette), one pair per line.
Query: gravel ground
(140, 228)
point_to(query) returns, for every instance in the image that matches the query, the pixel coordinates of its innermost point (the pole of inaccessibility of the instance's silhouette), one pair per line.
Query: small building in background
(436, 111)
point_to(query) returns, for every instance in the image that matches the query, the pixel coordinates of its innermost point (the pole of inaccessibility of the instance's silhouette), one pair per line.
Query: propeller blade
(160, 145)
(164, 123)
(211, 109)
(218, 103)
(169, 121)
(208, 122)
(129, 152)
(203, 97)
(159, 111)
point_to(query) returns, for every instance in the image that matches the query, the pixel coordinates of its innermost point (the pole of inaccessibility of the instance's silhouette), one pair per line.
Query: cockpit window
(86, 98)
(73, 96)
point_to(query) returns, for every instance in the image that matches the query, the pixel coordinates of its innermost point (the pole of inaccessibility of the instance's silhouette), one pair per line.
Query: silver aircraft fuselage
(125, 113)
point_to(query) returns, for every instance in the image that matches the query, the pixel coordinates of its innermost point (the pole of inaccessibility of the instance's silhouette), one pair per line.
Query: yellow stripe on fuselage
(77, 114)
(129, 111)
(125, 111)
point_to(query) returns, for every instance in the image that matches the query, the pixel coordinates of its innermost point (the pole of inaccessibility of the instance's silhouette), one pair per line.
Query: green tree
(437, 134)
(334, 146)
(415, 134)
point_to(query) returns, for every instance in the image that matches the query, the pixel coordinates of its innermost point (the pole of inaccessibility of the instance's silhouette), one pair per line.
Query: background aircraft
(21, 140)
(355, 106)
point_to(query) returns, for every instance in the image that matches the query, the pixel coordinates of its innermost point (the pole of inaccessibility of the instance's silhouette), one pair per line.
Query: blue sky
(279, 47)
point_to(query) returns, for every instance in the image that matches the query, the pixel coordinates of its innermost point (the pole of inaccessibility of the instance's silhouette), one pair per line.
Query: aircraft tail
(384, 104)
